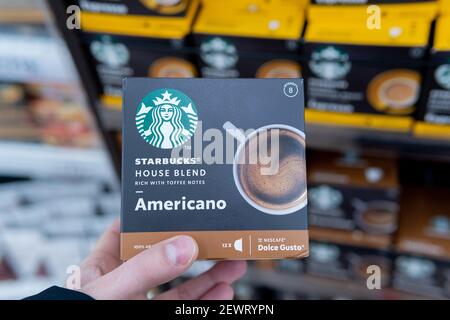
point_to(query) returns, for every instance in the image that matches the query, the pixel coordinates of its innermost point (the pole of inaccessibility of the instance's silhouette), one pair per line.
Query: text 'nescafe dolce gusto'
(221, 160)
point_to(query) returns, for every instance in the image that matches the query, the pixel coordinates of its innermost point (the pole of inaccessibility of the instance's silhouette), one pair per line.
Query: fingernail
(181, 250)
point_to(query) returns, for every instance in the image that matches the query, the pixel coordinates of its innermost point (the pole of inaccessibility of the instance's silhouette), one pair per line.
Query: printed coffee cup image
(280, 191)
(171, 67)
(279, 68)
(377, 217)
(395, 91)
(166, 6)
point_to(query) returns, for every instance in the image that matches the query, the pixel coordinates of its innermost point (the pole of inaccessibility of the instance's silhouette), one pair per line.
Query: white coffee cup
(301, 201)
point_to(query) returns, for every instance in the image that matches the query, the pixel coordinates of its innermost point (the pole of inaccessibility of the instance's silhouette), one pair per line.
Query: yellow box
(393, 32)
(442, 35)
(431, 130)
(241, 19)
(176, 27)
(339, 13)
(444, 6)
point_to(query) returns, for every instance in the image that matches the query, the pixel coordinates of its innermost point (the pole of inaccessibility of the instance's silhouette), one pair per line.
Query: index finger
(105, 256)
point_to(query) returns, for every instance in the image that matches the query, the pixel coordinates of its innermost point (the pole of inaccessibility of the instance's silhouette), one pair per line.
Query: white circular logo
(219, 53)
(330, 63)
(442, 76)
(110, 53)
(290, 89)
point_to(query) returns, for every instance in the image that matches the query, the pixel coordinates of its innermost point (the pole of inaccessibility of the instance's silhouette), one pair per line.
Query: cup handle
(234, 131)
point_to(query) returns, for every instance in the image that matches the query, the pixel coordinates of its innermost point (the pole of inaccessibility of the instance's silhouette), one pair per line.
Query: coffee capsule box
(353, 200)
(147, 18)
(115, 58)
(395, 9)
(423, 243)
(241, 40)
(435, 114)
(222, 160)
(362, 77)
(422, 276)
(444, 6)
(166, 8)
(344, 262)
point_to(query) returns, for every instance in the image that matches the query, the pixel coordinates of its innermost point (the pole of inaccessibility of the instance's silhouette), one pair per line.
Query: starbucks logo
(330, 63)
(110, 53)
(325, 198)
(323, 252)
(442, 76)
(415, 267)
(166, 118)
(218, 53)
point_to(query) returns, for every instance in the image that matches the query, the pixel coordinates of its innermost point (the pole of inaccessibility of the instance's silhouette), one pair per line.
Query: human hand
(104, 276)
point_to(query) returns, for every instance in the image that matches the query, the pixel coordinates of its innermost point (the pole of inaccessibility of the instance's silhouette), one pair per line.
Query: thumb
(161, 263)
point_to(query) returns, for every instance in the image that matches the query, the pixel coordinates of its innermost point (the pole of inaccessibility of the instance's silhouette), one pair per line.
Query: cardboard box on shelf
(362, 10)
(422, 265)
(444, 6)
(434, 120)
(146, 18)
(365, 78)
(344, 262)
(353, 200)
(241, 40)
(115, 58)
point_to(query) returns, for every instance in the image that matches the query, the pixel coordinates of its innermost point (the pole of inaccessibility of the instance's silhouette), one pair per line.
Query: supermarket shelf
(16, 290)
(19, 15)
(43, 161)
(376, 142)
(295, 283)
(112, 118)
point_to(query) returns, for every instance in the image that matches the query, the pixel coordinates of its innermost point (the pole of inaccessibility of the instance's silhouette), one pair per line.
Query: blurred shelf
(22, 15)
(110, 116)
(376, 142)
(42, 161)
(295, 283)
(30, 54)
(19, 289)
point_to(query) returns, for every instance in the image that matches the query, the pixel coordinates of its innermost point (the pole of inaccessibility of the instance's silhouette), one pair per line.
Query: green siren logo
(330, 63)
(166, 118)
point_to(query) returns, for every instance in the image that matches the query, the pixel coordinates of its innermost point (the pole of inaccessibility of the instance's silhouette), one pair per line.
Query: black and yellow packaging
(146, 18)
(115, 58)
(422, 265)
(361, 77)
(258, 39)
(363, 9)
(435, 114)
(352, 200)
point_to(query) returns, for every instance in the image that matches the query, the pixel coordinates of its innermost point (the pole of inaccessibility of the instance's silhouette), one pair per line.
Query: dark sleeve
(58, 293)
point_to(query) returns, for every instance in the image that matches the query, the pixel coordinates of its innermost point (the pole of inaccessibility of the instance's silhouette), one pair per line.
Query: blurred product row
(57, 190)
(44, 113)
(365, 214)
(360, 70)
(47, 226)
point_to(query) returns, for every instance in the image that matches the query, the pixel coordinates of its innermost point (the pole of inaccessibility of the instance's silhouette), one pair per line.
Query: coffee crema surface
(284, 189)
